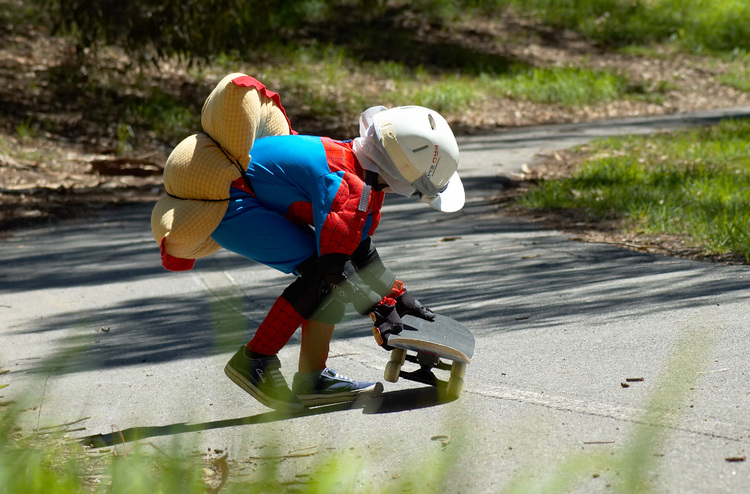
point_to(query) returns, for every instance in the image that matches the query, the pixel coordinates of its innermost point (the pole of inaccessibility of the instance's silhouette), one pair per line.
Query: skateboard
(430, 344)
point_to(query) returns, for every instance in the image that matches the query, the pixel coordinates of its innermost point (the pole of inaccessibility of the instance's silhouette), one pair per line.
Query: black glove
(408, 305)
(386, 322)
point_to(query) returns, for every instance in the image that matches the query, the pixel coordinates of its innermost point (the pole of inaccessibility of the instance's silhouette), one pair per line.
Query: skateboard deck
(425, 343)
(445, 337)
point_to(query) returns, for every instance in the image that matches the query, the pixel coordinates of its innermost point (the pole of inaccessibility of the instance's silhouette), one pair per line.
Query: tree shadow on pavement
(493, 273)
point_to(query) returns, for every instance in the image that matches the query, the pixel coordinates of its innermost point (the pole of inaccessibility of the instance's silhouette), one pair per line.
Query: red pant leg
(276, 329)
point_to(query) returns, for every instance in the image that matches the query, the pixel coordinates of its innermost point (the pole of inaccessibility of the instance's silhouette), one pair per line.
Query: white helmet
(422, 146)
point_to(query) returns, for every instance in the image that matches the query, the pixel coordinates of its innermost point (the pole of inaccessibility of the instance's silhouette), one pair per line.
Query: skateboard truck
(425, 375)
(442, 343)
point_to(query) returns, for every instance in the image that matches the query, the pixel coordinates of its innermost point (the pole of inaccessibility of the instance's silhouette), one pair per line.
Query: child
(307, 206)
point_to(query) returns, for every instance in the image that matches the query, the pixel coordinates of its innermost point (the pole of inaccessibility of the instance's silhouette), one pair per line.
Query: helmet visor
(450, 199)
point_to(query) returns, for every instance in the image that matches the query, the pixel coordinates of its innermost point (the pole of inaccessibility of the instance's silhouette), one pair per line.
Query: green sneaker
(328, 386)
(262, 379)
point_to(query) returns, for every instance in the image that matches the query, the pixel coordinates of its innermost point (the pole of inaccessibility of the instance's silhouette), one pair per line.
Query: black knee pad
(308, 295)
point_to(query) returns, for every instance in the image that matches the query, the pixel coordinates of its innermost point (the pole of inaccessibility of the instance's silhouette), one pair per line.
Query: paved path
(97, 336)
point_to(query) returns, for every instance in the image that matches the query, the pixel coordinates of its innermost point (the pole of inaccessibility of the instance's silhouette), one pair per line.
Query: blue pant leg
(263, 235)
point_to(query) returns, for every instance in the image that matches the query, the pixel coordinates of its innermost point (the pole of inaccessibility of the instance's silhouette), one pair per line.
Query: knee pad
(308, 294)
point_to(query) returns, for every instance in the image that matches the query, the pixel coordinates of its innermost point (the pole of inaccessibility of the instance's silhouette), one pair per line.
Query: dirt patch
(46, 180)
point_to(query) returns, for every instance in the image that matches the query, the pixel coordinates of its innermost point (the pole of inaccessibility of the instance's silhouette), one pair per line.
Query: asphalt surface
(585, 352)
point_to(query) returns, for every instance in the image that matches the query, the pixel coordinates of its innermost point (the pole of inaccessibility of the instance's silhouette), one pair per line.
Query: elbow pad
(372, 270)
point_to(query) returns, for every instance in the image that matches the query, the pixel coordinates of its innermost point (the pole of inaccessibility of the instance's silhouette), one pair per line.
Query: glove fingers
(422, 313)
(406, 304)
(397, 327)
(426, 313)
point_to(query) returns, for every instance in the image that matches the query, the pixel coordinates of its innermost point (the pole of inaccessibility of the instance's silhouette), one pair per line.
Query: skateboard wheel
(458, 369)
(393, 367)
(456, 380)
(392, 371)
(455, 385)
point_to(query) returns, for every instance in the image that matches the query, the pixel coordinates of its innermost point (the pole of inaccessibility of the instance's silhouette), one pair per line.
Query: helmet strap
(425, 187)
(373, 180)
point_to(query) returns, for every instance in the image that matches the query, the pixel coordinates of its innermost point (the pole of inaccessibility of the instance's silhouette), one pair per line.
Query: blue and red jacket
(315, 181)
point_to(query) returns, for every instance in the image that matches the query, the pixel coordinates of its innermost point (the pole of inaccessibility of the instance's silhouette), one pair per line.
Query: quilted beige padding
(236, 113)
(198, 173)
(198, 169)
(184, 226)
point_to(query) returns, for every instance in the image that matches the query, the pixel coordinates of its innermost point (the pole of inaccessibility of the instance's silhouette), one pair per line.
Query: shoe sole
(247, 386)
(313, 400)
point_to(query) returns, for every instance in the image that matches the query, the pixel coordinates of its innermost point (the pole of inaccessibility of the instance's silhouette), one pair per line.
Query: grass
(738, 75)
(694, 25)
(323, 75)
(569, 86)
(694, 183)
(44, 462)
